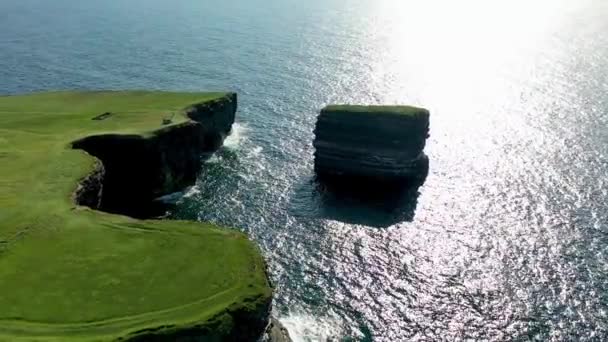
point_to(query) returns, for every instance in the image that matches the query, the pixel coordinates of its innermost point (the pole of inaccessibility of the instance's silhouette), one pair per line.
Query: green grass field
(366, 110)
(72, 273)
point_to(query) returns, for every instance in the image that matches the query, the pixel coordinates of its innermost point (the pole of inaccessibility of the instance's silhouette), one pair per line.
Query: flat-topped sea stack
(377, 144)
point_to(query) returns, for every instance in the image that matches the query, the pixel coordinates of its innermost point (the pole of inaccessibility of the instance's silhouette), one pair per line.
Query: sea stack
(376, 144)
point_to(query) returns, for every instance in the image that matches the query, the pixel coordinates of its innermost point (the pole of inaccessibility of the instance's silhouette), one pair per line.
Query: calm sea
(508, 238)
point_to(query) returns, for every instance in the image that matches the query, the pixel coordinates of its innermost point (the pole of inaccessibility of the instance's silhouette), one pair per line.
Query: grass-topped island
(72, 271)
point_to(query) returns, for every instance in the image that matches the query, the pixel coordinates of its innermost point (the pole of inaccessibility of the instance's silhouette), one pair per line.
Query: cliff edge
(69, 272)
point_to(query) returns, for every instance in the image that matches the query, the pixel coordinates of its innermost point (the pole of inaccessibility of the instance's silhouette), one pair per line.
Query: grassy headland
(71, 273)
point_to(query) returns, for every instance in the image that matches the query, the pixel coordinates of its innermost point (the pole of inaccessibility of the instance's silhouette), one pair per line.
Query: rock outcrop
(276, 332)
(89, 191)
(377, 143)
(138, 169)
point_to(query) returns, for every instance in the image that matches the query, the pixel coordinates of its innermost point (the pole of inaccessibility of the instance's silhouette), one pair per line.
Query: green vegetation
(72, 273)
(394, 110)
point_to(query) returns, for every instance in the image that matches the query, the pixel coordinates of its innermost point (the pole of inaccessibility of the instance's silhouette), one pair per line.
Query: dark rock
(89, 191)
(139, 169)
(381, 144)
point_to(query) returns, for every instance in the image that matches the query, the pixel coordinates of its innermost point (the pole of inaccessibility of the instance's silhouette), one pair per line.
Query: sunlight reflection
(449, 51)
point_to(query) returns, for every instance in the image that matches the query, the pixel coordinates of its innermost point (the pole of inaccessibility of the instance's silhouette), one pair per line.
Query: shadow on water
(372, 202)
(358, 201)
(368, 204)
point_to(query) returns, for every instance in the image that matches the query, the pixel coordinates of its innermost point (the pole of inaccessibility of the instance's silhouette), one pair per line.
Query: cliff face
(239, 323)
(216, 119)
(89, 191)
(138, 169)
(134, 170)
(99, 277)
(373, 142)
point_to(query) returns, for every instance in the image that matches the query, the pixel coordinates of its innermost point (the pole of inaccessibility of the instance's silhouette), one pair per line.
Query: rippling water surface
(508, 238)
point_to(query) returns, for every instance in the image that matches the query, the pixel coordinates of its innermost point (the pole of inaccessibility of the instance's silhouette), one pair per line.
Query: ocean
(508, 238)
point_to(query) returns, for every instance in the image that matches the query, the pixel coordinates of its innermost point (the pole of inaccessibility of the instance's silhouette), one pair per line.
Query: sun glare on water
(461, 59)
(449, 51)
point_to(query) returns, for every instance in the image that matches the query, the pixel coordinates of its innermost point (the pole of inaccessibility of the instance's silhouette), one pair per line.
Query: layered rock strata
(378, 143)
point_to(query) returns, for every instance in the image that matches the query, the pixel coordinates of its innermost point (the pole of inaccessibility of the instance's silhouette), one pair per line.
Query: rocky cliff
(381, 143)
(138, 169)
(84, 274)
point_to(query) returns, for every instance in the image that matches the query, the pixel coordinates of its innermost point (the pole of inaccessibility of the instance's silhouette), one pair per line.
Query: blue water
(507, 239)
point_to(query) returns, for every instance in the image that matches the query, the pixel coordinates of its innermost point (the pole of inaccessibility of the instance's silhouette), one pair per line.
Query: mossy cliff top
(376, 110)
(71, 273)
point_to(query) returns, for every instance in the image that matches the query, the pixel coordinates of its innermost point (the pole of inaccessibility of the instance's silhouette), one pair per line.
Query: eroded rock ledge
(135, 169)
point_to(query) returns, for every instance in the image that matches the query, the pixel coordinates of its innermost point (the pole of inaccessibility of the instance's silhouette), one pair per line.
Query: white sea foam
(256, 151)
(175, 197)
(171, 198)
(239, 132)
(214, 159)
(306, 328)
(192, 191)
